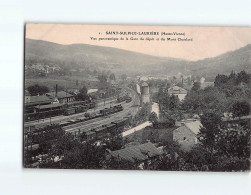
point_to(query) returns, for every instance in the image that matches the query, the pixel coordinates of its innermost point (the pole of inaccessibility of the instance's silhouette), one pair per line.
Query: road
(137, 128)
(155, 108)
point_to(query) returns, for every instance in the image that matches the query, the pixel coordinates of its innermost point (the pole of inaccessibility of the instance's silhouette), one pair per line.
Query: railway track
(92, 123)
(88, 125)
(62, 118)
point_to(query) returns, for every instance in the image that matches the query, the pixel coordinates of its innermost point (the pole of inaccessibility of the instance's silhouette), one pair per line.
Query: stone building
(186, 135)
(61, 96)
(178, 91)
(30, 102)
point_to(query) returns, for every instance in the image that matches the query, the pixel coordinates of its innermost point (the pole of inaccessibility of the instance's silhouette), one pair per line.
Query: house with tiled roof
(136, 153)
(178, 91)
(186, 134)
(62, 96)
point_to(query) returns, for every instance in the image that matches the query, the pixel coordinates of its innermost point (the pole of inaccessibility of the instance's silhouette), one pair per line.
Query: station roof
(39, 100)
(48, 106)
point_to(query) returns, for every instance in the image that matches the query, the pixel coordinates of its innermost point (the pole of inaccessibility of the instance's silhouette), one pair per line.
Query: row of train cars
(97, 133)
(52, 110)
(101, 132)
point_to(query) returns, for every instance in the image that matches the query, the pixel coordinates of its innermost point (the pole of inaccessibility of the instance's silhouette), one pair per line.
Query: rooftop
(144, 84)
(194, 126)
(92, 91)
(139, 152)
(49, 106)
(39, 100)
(177, 90)
(60, 94)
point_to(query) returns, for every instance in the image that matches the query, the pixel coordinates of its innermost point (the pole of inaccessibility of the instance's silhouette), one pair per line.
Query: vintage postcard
(120, 97)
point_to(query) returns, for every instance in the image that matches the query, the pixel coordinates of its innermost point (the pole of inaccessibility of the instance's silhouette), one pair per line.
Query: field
(66, 82)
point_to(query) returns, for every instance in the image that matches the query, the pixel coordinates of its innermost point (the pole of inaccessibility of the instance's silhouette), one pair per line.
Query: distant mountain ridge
(237, 61)
(124, 61)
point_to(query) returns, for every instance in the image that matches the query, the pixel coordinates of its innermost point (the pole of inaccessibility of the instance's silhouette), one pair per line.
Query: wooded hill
(133, 63)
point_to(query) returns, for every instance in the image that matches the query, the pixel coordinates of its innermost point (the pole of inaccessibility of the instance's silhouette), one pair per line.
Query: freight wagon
(105, 131)
(51, 110)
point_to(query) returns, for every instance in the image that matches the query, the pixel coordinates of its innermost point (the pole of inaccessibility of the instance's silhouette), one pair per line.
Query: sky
(206, 41)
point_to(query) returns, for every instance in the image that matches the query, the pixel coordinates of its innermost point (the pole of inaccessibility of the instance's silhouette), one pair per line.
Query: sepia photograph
(134, 97)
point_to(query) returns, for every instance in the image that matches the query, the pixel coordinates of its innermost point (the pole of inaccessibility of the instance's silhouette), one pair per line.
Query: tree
(153, 117)
(120, 164)
(234, 140)
(82, 94)
(241, 108)
(163, 98)
(189, 81)
(74, 154)
(210, 128)
(102, 77)
(83, 90)
(232, 78)
(103, 84)
(210, 98)
(173, 102)
(167, 118)
(115, 142)
(95, 72)
(180, 84)
(192, 102)
(243, 77)
(37, 90)
(112, 77)
(220, 80)
(196, 86)
(143, 114)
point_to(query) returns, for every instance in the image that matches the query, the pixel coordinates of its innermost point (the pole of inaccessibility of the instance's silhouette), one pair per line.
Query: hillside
(123, 61)
(237, 61)
(98, 57)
